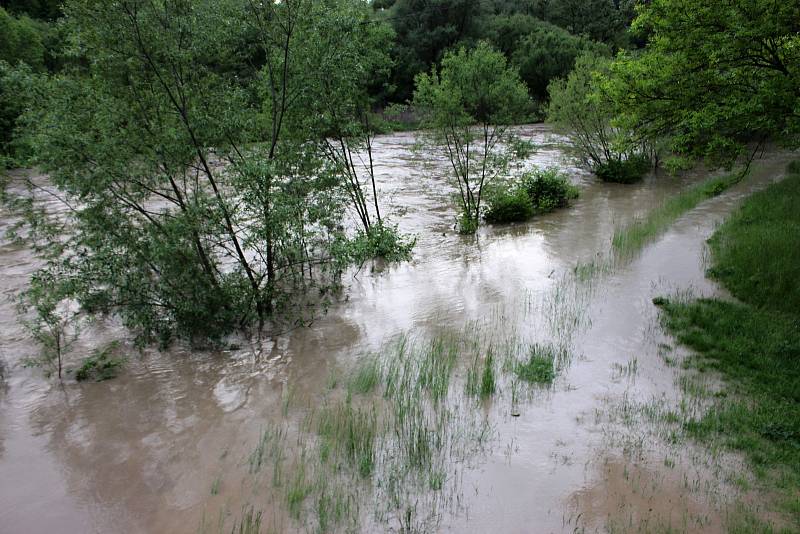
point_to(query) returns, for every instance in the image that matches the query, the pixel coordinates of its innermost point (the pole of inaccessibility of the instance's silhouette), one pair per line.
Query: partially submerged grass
(631, 238)
(755, 344)
(758, 353)
(395, 429)
(481, 377)
(270, 447)
(437, 365)
(539, 367)
(367, 376)
(298, 489)
(349, 432)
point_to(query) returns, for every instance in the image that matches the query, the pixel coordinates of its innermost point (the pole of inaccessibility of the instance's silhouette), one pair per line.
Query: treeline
(540, 37)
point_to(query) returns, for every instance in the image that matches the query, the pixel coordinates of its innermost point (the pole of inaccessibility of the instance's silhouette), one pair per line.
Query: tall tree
(353, 62)
(581, 108)
(548, 52)
(425, 29)
(200, 201)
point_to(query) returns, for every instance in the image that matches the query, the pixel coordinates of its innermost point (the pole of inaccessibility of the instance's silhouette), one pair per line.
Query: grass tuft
(366, 377)
(539, 368)
(481, 378)
(349, 432)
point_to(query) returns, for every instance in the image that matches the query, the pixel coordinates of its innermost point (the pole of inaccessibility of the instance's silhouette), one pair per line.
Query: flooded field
(514, 381)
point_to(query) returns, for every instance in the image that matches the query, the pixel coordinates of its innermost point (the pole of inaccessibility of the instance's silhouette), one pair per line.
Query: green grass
(436, 366)
(754, 343)
(480, 377)
(539, 368)
(298, 489)
(631, 238)
(366, 377)
(349, 432)
(250, 522)
(757, 250)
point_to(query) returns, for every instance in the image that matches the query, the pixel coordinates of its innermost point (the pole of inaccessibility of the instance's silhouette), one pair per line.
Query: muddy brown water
(140, 453)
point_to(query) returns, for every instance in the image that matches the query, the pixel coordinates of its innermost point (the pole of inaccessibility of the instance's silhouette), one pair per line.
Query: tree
(18, 87)
(51, 319)
(425, 29)
(505, 30)
(714, 76)
(181, 139)
(352, 58)
(20, 41)
(581, 109)
(468, 104)
(38, 9)
(549, 52)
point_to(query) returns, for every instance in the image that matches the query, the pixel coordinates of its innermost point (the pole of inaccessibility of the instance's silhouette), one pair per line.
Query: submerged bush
(467, 224)
(539, 191)
(101, 365)
(510, 204)
(548, 189)
(380, 241)
(623, 171)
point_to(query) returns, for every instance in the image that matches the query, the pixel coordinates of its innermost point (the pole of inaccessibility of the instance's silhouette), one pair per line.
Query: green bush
(380, 241)
(539, 191)
(626, 171)
(548, 189)
(101, 365)
(509, 204)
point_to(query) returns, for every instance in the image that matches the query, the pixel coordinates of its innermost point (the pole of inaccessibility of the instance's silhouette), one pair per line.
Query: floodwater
(164, 447)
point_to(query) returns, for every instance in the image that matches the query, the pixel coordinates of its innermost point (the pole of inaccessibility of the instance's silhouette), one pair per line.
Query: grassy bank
(753, 343)
(634, 236)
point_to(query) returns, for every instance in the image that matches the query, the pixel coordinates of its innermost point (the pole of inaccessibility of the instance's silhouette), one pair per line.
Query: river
(165, 446)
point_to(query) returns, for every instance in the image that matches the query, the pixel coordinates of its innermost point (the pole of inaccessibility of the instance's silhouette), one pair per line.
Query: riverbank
(754, 342)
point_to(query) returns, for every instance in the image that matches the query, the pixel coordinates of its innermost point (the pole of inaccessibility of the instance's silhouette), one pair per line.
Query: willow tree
(468, 105)
(200, 203)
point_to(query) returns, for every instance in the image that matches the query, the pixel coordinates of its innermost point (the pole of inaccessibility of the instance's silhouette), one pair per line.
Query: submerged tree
(341, 102)
(468, 105)
(51, 319)
(201, 201)
(581, 109)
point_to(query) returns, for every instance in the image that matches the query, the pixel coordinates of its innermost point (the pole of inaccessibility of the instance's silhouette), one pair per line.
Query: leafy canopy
(714, 75)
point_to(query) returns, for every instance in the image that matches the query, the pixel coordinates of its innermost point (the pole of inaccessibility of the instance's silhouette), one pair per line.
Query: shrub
(101, 365)
(509, 204)
(380, 241)
(623, 171)
(548, 189)
(467, 224)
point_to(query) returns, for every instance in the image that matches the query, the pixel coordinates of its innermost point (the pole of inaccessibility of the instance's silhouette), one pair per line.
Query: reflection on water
(164, 447)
